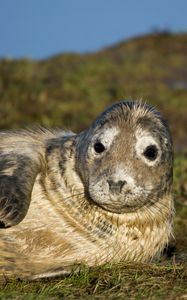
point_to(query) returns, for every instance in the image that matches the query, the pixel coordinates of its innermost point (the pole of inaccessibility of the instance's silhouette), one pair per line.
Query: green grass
(125, 281)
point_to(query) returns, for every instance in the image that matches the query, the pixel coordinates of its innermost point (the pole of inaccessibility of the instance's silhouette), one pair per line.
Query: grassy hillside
(71, 89)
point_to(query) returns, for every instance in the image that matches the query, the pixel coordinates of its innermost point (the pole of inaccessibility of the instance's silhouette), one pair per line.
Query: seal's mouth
(121, 210)
(115, 207)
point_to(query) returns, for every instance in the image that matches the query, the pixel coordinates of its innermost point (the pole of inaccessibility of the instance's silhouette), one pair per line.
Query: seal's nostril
(116, 187)
(2, 224)
(121, 183)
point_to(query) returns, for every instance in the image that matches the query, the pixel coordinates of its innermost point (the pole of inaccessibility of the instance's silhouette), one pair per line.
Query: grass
(124, 281)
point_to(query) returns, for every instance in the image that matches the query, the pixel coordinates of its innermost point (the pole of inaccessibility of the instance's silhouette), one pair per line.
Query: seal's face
(125, 158)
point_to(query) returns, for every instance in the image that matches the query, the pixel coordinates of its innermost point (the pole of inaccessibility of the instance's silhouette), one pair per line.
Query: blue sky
(42, 28)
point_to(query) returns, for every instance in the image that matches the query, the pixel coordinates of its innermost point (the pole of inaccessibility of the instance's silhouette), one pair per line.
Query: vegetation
(69, 91)
(109, 282)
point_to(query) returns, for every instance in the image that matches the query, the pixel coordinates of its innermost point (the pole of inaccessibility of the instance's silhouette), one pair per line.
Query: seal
(103, 195)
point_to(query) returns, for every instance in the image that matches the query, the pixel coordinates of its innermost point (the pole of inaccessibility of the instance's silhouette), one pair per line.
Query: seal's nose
(116, 187)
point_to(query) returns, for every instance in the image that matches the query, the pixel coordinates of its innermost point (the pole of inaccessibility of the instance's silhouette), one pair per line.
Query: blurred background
(63, 62)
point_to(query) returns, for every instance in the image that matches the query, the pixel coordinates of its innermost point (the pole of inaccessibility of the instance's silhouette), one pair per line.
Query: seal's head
(125, 158)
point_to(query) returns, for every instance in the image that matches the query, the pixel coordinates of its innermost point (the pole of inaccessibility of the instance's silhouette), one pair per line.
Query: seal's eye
(151, 152)
(99, 147)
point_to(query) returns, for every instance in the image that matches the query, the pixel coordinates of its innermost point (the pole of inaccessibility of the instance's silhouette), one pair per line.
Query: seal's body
(104, 195)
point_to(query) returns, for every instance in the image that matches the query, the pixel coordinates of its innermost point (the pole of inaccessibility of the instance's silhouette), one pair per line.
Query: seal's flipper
(20, 162)
(17, 175)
